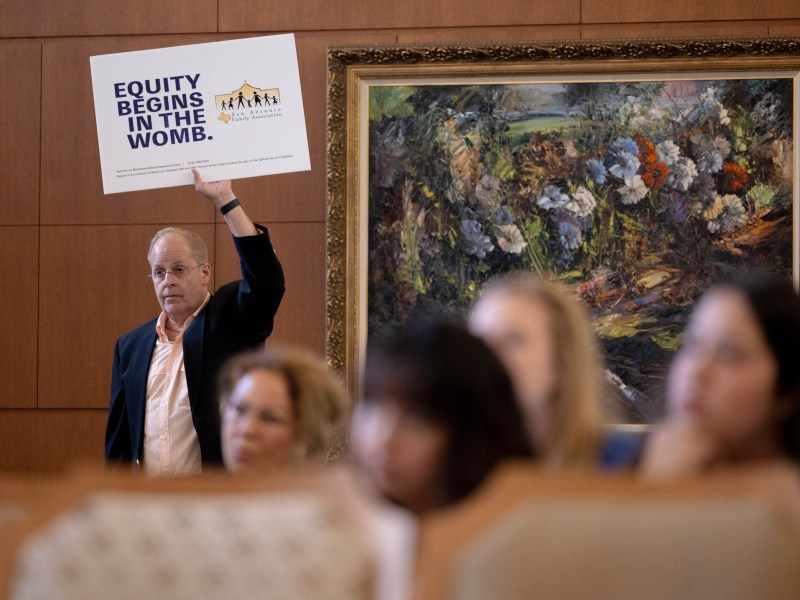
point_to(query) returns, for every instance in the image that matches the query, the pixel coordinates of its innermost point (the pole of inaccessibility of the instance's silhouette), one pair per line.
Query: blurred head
(180, 271)
(279, 407)
(542, 334)
(736, 374)
(438, 413)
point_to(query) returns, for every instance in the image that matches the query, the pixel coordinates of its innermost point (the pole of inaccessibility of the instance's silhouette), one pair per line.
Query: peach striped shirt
(171, 445)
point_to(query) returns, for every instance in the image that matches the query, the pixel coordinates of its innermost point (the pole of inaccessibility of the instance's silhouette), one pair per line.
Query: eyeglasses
(178, 272)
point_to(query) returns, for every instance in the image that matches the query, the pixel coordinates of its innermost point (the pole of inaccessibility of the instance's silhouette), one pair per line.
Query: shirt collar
(161, 324)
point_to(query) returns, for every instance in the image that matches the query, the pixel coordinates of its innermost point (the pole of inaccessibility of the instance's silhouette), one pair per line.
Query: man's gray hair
(196, 244)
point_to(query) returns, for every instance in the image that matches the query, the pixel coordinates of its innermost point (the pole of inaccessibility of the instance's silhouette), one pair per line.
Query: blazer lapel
(140, 366)
(193, 357)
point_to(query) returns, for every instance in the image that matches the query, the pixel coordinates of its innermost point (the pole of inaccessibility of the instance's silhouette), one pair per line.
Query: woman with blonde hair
(542, 333)
(279, 407)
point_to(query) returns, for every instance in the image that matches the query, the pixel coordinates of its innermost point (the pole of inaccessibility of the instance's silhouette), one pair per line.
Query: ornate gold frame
(351, 68)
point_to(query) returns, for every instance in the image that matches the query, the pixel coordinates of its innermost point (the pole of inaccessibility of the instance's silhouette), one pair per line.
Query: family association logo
(248, 103)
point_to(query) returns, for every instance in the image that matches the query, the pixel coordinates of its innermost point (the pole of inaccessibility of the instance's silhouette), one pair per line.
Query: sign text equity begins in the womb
(175, 103)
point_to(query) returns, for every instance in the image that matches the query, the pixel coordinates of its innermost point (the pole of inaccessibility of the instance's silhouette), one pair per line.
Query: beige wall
(72, 260)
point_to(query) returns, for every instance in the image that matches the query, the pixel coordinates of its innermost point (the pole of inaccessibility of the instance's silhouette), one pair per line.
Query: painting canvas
(636, 193)
(635, 189)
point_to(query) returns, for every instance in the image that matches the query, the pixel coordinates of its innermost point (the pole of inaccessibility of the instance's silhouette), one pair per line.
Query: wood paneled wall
(72, 260)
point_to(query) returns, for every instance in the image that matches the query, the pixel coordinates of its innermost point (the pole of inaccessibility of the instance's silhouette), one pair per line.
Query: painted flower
(734, 178)
(552, 197)
(596, 170)
(502, 216)
(721, 145)
(621, 145)
(725, 214)
(654, 171)
(709, 95)
(655, 174)
(647, 150)
(720, 113)
(626, 166)
(668, 152)
(714, 108)
(648, 117)
(705, 186)
(708, 208)
(569, 235)
(682, 175)
(476, 242)
(710, 108)
(510, 239)
(710, 153)
(582, 202)
(674, 206)
(709, 162)
(633, 190)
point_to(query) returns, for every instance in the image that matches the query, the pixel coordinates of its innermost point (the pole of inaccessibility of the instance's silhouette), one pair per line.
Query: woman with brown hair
(278, 407)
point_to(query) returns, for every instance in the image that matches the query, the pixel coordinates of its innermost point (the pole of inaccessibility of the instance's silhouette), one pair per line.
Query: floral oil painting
(636, 193)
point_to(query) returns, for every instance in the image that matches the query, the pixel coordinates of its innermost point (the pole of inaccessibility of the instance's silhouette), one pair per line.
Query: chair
(117, 536)
(529, 535)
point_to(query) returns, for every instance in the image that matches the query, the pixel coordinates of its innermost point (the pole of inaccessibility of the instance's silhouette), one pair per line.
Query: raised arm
(258, 294)
(221, 194)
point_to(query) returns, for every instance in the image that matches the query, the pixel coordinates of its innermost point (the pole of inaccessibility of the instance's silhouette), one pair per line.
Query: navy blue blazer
(238, 316)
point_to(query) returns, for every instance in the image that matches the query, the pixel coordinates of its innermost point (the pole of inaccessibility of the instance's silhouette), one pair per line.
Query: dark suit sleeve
(262, 286)
(238, 317)
(118, 431)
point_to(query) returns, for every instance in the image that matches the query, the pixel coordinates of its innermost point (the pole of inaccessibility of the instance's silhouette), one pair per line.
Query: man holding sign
(163, 411)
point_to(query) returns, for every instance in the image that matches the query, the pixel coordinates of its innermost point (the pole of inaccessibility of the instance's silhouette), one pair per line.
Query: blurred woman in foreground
(438, 414)
(279, 407)
(286, 408)
(733, 390)
(542, 333)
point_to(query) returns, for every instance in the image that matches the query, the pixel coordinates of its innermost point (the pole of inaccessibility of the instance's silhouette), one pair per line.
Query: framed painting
(633, 171)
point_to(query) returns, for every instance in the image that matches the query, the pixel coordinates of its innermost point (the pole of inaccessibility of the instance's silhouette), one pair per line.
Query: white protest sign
(232, 109)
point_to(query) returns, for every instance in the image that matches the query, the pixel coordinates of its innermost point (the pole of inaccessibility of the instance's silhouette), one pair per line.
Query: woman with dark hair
(438, 414)
(733, 391)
